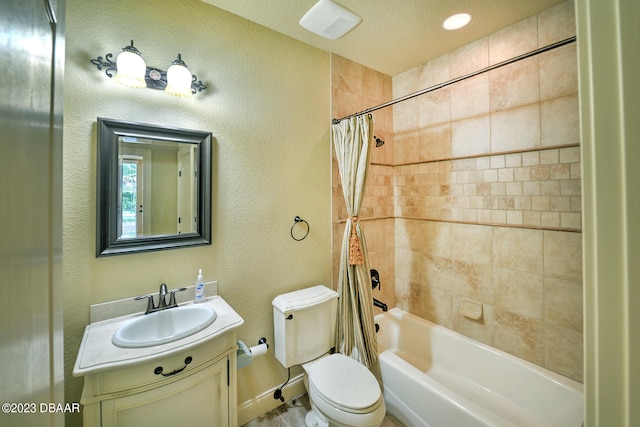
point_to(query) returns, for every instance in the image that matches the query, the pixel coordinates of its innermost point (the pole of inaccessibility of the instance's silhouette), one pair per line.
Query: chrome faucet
(162, 294)
(162, 299)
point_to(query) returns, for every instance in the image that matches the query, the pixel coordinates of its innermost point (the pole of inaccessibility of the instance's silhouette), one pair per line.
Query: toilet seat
(345, 384)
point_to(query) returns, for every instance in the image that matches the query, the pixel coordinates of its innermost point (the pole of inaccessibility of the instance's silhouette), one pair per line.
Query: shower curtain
(355, 334)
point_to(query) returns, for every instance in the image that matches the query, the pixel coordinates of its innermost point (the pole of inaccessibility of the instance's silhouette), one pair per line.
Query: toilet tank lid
(303, 298)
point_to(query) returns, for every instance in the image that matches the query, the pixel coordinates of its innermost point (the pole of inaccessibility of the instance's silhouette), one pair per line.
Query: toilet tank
(304, 324)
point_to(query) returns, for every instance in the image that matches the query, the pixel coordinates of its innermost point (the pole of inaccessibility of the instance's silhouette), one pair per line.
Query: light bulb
(179, 79)
(131, 68)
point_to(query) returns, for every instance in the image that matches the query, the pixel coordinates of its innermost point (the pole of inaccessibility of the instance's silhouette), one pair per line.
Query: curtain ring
(296, 220)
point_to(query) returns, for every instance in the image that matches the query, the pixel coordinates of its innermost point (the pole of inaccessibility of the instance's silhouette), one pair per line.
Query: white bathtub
(435, 377)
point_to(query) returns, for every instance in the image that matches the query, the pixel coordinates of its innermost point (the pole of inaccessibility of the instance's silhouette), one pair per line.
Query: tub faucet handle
(375, 279)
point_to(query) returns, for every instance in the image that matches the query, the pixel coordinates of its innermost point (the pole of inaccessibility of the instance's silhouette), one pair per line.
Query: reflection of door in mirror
(187, 186)
(130, 200)
(134, 189)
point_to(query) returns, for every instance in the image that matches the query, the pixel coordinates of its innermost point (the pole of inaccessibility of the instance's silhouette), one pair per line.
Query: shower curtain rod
(464, 77)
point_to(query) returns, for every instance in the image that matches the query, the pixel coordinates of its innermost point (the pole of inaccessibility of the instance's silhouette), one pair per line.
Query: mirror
(153, 188)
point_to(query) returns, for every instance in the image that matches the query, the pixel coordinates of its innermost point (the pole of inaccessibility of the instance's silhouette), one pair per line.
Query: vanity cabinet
(195, 387)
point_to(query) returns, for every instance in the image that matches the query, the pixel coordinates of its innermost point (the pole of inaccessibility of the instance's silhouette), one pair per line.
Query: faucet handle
(150, 306)
(172, 298)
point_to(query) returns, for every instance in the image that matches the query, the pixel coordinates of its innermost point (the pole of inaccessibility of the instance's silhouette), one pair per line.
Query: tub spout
(380, 304)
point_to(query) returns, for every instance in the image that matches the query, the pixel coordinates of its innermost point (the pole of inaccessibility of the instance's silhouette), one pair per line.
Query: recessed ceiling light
(456, 21)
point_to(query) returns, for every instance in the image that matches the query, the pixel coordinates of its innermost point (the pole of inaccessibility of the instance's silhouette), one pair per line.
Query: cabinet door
(199, 399)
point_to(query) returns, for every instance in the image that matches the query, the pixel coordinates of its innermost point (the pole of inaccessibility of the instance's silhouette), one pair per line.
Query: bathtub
(435, 377)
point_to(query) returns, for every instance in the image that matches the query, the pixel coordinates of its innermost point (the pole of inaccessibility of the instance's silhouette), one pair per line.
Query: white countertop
(97, 352)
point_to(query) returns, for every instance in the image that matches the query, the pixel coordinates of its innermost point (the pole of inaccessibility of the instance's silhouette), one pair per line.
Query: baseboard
(252, 409)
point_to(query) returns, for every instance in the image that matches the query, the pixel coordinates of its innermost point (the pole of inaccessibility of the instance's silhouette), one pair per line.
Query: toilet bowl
(342, 393)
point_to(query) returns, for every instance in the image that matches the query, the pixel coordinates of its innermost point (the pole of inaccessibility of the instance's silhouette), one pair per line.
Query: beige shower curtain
(355, 335)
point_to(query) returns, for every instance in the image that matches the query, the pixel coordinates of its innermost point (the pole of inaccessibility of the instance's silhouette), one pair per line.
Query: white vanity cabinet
(190, 382)
(203, 393)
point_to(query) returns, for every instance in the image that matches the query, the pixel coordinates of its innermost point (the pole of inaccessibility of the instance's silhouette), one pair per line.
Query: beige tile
(468, 58)
(471, 136)
(531, 188)
(515, 85)
(560, 121)
(406, 116)
(437, 272)
(515, 218)
(470, 97)
(572, 220)
(346, 75)
(550, 219)
(519, 292)
(558, 73)
(513, 160)
(406, 83)
(570, 155)
(409, 265)
(571, 187)
(550, 188)
(471, 243)
(514, 40)
(514, 189)
(526, 243)
(531, 158)
(436, 306)
(560, 171)
(435, 143)
(436, 238)
(373, 85)
(434, 72)
(560, 204)
(564, 351)
(480, 330)
(563, 255)
(556, 23)
(435, 108)
(473, 281)
(406, 147)
(563, 303)
(515, 129)
(531, 218)
(519, 335)
(345, 103)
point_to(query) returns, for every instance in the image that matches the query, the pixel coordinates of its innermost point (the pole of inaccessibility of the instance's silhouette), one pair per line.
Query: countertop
(97, 352)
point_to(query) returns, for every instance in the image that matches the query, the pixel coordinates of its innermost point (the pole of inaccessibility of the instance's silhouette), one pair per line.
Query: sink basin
(163, 326)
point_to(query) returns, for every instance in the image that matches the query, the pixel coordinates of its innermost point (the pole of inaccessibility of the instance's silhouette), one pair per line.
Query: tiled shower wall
(356, 88)
(485, 177)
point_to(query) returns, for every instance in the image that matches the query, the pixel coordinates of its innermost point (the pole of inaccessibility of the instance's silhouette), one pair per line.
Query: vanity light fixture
(132, 71)
(456, 21)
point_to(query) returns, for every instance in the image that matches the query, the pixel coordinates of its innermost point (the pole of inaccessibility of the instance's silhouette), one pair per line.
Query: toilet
(342, 392)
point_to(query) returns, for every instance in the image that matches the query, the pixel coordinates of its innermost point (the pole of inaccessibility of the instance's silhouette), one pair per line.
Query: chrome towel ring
(297, 220)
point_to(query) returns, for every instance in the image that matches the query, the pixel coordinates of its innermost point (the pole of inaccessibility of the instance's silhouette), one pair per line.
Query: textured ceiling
(394, 35)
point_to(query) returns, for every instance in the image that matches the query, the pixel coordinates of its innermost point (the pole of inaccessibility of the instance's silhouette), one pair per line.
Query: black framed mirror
(153, 188)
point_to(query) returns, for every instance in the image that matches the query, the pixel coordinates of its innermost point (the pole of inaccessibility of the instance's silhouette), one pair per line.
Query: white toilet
(342, 392)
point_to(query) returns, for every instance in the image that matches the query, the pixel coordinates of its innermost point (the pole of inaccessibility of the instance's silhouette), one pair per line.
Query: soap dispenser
(199, 288)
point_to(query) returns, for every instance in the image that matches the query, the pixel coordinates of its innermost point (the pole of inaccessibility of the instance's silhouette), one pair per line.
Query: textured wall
(267, 105)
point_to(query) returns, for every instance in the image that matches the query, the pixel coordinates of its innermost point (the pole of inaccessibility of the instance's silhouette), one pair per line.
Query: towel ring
(296, 220)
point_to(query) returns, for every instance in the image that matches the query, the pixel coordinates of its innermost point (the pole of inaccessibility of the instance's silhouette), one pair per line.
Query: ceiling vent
(329, 19)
